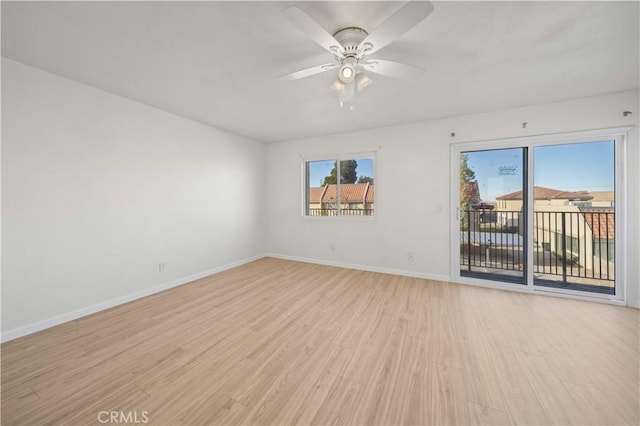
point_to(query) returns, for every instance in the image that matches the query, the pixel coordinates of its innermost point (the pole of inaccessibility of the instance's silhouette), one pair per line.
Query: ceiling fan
(352, 48)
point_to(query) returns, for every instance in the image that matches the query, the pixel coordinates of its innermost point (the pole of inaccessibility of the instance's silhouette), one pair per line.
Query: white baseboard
(69, 316)
(368, 268)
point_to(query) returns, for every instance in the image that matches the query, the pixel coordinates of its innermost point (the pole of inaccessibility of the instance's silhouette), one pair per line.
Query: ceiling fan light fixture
(362, 81)
(347, 72)
(338, 86)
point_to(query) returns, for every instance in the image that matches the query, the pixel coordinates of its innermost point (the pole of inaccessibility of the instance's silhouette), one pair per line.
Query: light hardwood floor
(280, 342)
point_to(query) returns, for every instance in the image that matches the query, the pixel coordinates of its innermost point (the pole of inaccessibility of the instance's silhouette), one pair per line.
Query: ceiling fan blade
(307, 72)
(310, 27)
(399, 23)
(392, 68)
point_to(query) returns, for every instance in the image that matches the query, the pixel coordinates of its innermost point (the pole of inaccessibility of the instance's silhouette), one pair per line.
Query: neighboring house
(356, 198)
(588, 232)
(543, 197)
(603, 199)
(602, 223)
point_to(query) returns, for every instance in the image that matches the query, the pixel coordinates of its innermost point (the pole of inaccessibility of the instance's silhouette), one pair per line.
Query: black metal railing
(491, 240)
(575, 244)
(343, 212)
(567, 245)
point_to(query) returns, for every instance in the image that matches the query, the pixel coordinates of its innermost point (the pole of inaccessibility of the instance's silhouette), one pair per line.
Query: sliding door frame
(619, 136)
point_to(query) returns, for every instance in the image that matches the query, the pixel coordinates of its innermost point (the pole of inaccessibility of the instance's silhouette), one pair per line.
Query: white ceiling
(216, 62)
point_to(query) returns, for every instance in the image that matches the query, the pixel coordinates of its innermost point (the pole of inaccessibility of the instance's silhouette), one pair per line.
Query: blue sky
(320, 169)
(570, 167)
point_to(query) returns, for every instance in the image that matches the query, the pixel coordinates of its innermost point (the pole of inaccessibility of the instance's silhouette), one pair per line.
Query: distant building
(585, 220)
(355, 198)
(542, 197)
(545, 199)
(602, 199)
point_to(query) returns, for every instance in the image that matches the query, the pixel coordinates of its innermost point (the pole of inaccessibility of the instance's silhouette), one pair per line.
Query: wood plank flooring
(280, 342)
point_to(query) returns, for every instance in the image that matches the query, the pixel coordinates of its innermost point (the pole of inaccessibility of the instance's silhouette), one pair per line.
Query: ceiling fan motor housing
(350, 38)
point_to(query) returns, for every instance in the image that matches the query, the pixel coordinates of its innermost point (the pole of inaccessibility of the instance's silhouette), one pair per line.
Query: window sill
(340, 218)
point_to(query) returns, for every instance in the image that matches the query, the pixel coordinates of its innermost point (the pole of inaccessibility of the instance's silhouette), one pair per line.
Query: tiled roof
(330, 193)
(601, 222)
(315, 194)
(349, 193)
(542, 193)
(370, 193)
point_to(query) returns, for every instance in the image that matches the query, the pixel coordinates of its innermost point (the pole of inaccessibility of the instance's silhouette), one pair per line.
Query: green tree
(467, 175)
(365, 179)
(331, 179)
(348, 173)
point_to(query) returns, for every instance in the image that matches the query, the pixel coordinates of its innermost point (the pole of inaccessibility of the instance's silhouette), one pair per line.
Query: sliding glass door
(539, 213)
(492, 231)
(574, 216)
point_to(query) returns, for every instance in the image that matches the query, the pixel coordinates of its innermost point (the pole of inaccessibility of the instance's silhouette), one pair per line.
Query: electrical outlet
(333, 247)
(411, 257)
(161, 267)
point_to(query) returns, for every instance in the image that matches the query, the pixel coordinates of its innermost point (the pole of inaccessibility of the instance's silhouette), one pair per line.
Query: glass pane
(356, 187)
(574, 216)
(320, 199)
(493, 224)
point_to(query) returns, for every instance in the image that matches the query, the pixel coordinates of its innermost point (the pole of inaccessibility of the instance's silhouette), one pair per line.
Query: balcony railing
(569, 247)
(343, 212)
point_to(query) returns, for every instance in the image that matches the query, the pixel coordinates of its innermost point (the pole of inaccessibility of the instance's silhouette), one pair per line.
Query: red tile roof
(349, 193)
(542, 193)
(315, 194)
(370, 193)
(601, 222)
(330, 193)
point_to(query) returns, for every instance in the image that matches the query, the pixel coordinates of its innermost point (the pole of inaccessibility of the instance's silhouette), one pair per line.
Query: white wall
(412, 186)
(98, 189)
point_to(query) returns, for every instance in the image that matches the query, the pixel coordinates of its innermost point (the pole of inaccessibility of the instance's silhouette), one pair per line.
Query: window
(341, 186)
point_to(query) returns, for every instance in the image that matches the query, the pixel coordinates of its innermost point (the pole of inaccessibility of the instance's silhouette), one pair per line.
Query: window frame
(338, 157)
